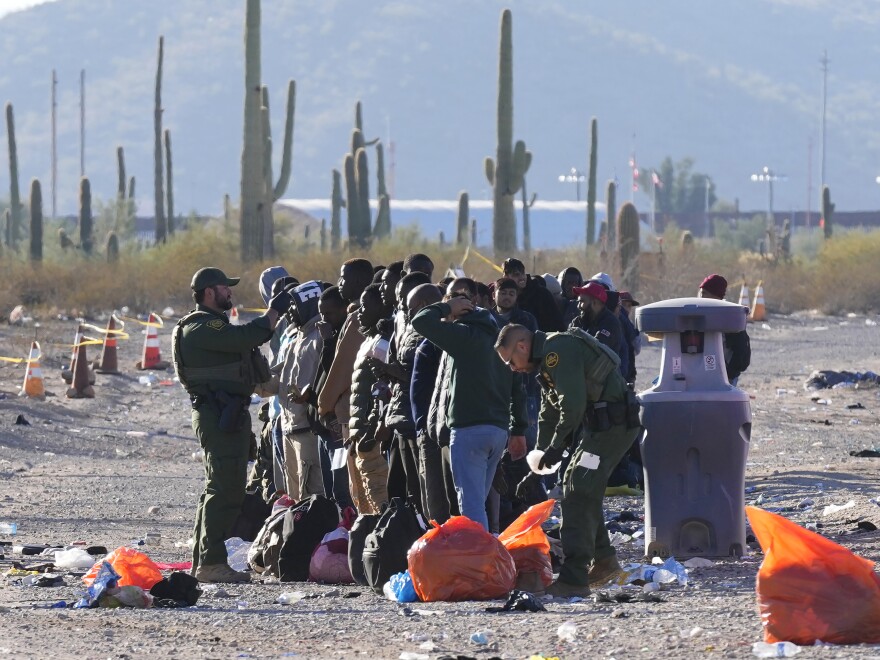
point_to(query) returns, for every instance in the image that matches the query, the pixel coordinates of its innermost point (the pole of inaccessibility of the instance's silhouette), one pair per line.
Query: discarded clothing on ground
(825, 378)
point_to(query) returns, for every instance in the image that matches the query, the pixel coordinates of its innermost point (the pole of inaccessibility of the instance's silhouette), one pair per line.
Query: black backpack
(305, 524)
(357, 539)
(386, 547)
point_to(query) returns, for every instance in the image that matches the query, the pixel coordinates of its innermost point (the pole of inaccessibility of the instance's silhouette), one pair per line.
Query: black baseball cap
(206, 277)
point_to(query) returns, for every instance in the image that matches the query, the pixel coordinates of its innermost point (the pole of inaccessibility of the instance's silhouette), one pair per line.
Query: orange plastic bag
(527, 543)
(810, 588)
(133, 567)
(459, 560)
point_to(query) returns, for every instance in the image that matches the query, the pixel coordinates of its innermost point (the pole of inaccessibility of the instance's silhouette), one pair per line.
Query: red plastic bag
(810, 588)
(133, 567)
(460, 560)
(527, 543)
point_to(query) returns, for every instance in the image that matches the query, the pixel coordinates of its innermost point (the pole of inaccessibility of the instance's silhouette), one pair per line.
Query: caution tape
(469, 250)
(261, 310)
(149, 324)
(120, 334)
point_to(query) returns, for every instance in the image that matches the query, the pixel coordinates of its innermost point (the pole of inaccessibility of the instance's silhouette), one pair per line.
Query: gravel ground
(89, 470)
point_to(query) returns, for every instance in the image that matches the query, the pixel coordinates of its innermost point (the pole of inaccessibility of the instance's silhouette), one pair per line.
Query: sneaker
(604, 570)
(220, 573)
(565, 590)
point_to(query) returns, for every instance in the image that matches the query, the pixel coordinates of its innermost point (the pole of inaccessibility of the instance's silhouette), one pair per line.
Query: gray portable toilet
(697, 431)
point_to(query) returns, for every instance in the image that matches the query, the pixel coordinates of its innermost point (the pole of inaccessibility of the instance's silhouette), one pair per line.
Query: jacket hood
(267, 279)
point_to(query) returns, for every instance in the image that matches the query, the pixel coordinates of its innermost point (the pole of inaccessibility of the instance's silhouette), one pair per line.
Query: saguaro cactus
(827, 212)
(527, 227)
(169, 189)
(14, 233)
(36, 252)
(362, 177)
(461, 234)
(628, 246)
(611, 212)
(252, 182)
(121, 206)
(382, 228)
(85, 215)
(158, 165)
(591, 183)
(337, 203)
(323, 234)
(112, 248)
(506, 172)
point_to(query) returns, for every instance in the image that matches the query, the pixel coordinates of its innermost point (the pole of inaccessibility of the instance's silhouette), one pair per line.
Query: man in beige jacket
(334, 397)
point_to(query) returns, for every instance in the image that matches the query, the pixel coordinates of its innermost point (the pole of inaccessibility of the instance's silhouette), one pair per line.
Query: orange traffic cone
(151, 357)
(758, 313)
(107, 363)
(233, 317)
(744, 295)
(33, 377)
(80, 387)
(67, 372)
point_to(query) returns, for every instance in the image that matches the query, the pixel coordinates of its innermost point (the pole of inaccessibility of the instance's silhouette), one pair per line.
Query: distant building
(553, 224)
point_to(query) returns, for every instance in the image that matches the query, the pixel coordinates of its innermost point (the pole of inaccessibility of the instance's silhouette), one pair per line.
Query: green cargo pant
(583, 533)
(225, 462)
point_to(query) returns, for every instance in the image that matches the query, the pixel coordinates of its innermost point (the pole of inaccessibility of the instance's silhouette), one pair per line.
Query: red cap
(592, 289)
(716, 285)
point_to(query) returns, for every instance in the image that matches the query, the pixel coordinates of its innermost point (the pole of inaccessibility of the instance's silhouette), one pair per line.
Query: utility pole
(82, 122)
(809, 182)
(824, 62)
(54, 147)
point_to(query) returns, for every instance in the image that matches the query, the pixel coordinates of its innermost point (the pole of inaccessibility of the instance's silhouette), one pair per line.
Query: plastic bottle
(481, 637)
(567, 632)
(8, 528)
(777, 650)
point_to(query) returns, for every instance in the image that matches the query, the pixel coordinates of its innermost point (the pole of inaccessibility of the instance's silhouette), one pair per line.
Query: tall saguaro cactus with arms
(512, 161)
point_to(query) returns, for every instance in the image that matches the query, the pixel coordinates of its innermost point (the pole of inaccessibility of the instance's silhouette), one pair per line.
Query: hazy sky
(9, 6)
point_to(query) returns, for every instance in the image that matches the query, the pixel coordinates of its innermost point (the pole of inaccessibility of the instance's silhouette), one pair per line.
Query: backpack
(305, 524)
(357, 538)
(386, 547)
(263, 553)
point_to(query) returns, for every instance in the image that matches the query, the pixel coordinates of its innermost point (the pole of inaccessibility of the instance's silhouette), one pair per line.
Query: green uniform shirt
(209, 340)
(563, 363)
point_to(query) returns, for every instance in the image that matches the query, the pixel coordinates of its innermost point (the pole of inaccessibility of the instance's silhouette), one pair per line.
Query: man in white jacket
(301, 354)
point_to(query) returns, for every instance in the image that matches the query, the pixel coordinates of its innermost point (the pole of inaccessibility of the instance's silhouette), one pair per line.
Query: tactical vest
(605, 362)
(251, 369)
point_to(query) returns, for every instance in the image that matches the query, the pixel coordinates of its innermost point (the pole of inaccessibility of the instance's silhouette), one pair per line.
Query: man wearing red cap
(595, 318)
(737, 347)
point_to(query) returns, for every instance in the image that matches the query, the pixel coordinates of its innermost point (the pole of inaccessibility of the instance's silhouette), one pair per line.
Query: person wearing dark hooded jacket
(486, 410)
(534, 296)
(369, 395)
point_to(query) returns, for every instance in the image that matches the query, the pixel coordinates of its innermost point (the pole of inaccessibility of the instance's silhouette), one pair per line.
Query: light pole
(768, 175)
(574, 176)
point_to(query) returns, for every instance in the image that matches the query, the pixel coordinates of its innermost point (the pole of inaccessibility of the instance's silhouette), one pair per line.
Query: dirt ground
(90, 469)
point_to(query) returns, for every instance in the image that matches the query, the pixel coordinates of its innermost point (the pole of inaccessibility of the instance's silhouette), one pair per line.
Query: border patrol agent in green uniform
(219, 365)
(582, 389)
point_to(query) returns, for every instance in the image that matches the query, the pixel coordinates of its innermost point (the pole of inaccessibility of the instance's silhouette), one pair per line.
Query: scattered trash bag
(329, 563)
(459, 560)
(105, 578)
(520, 601)
(357, 538)
(812, 589)
(180, 588)
(527, 543)
(866, 453)
(400, 588)
(132, 567)
(126, 596)
(73, 559)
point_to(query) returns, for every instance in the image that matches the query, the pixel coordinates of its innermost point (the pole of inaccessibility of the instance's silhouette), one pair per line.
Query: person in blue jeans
(486, 410)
